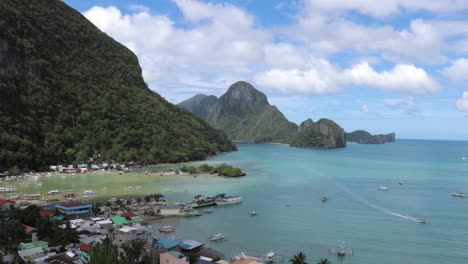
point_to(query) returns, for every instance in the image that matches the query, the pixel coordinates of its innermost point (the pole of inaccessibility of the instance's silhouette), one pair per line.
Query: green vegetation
(104, 253)
(364, 137)
(299, 258)
(324, 261)
(70, 93)
(324, 133)
(222, 169)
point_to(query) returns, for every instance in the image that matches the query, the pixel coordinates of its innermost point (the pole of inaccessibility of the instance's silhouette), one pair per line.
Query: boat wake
(358, 198)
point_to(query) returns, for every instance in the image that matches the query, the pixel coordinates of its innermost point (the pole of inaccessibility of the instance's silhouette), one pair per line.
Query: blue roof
(176, 254)
(190, 244)
(167, 243)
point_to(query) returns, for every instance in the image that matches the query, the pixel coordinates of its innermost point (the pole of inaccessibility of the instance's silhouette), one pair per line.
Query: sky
(382, 66)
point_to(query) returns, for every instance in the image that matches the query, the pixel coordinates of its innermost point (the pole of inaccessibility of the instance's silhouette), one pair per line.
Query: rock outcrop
(324, 133)
(364, 137)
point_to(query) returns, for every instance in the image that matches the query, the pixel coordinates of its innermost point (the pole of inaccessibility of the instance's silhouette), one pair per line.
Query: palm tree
(299, 258)
(324, 261)
(104, 253)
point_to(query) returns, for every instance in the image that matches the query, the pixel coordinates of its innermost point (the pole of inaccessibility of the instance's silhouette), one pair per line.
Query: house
(169, 210)
(167, 243)
(41, 244)
(5, 204)
(74, 210)
(173, 257)
(85, 249)
(204, 260)
(191, 246)
(129, 233)
(44, 213)
(105, 224)
(120, 221)
(31, 233)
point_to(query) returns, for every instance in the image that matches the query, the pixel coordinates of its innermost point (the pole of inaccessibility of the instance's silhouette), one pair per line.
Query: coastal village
(121, 224)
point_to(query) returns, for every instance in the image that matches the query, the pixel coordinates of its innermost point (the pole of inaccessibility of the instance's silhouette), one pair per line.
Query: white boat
(383, 188)
(53, 192)
(225, 200)
(341, 250)
(166, 229)
(323, 199)
(253, 213)
(421, 220)
(270, 257)
(401, 182)
(217, 237)
(458, 194)
(88, 192)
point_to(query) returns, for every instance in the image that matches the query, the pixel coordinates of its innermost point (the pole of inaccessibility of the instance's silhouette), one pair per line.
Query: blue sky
(382, 66)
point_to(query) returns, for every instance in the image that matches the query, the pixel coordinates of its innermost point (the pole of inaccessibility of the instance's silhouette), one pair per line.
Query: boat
(421, 220)
(222, 199)
(53, 192)
(217, 237)
(270, 257)
(253, 213)
(88, 192)
(166, 229)
(202, 201)
(383, 188)
(341, 250)
(401, 183)
(323, 199)
(458, 194)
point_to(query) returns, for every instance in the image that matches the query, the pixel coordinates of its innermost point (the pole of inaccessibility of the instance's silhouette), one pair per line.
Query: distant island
(364, 137)
(246, 115)
(222, 170)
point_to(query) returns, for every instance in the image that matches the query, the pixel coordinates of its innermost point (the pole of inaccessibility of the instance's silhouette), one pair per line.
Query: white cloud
(318, 77)
(364, 108)
(462, 103)
(402, 78)
(458, 70)
(219, 45)
(387, 7)
(406, 104)
(283, 55)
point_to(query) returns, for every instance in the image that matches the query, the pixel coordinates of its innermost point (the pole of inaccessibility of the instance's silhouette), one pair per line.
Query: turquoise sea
(284, 185)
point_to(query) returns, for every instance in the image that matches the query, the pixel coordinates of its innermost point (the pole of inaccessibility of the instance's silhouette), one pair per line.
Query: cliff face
(201, 105)
(324, 133)
(364, 137)
(245, 114)
(69, 93)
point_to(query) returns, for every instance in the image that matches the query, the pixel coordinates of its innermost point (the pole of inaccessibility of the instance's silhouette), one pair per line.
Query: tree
(104, 253)
(11, 234)
(299, 258)
(134, 252)
(65, 235)
(47, 228)
(96, 208)
(30, 215)
(324, 261)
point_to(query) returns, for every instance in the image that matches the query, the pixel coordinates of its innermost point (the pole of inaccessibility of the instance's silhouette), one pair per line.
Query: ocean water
(284, 185)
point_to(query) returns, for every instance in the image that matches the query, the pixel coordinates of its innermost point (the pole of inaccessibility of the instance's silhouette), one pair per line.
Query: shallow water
(284, 185)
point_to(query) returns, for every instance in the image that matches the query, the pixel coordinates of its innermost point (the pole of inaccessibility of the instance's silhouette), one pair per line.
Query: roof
(29, 229)
(46, 213)
(222, 261)
(41, 244)
(128, 215)
(169, 207)
(104, 222)
(118, 220)
(190, 244)
(3, 202)
(176, 254)
(85, 247)
(77, 204)
(167, 243)
(202, 261)
(60, 259)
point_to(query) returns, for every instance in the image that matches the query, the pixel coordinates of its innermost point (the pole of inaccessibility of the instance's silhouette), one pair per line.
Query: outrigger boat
(253, 213)
(421, 220)
(458, 194)
(341, 250)
(166, 229)
(324, 199)
(383, 188)
(269, 257)
(217, 237)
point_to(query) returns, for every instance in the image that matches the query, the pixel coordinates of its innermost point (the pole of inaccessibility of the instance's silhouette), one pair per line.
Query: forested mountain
(201, 105)
(246, 115)
(364, 137)
(69, 92)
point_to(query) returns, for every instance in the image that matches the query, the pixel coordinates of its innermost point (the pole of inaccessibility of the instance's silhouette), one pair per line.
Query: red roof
(77, 204)
(85, 247)
(128, 215)
(29, 229)
(3, 202)
(46, 213)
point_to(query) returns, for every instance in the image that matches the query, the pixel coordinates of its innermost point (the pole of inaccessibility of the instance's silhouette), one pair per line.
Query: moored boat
(217, 237)
(166, 229)
(202, 201)
(222, 199)
(458, 194)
